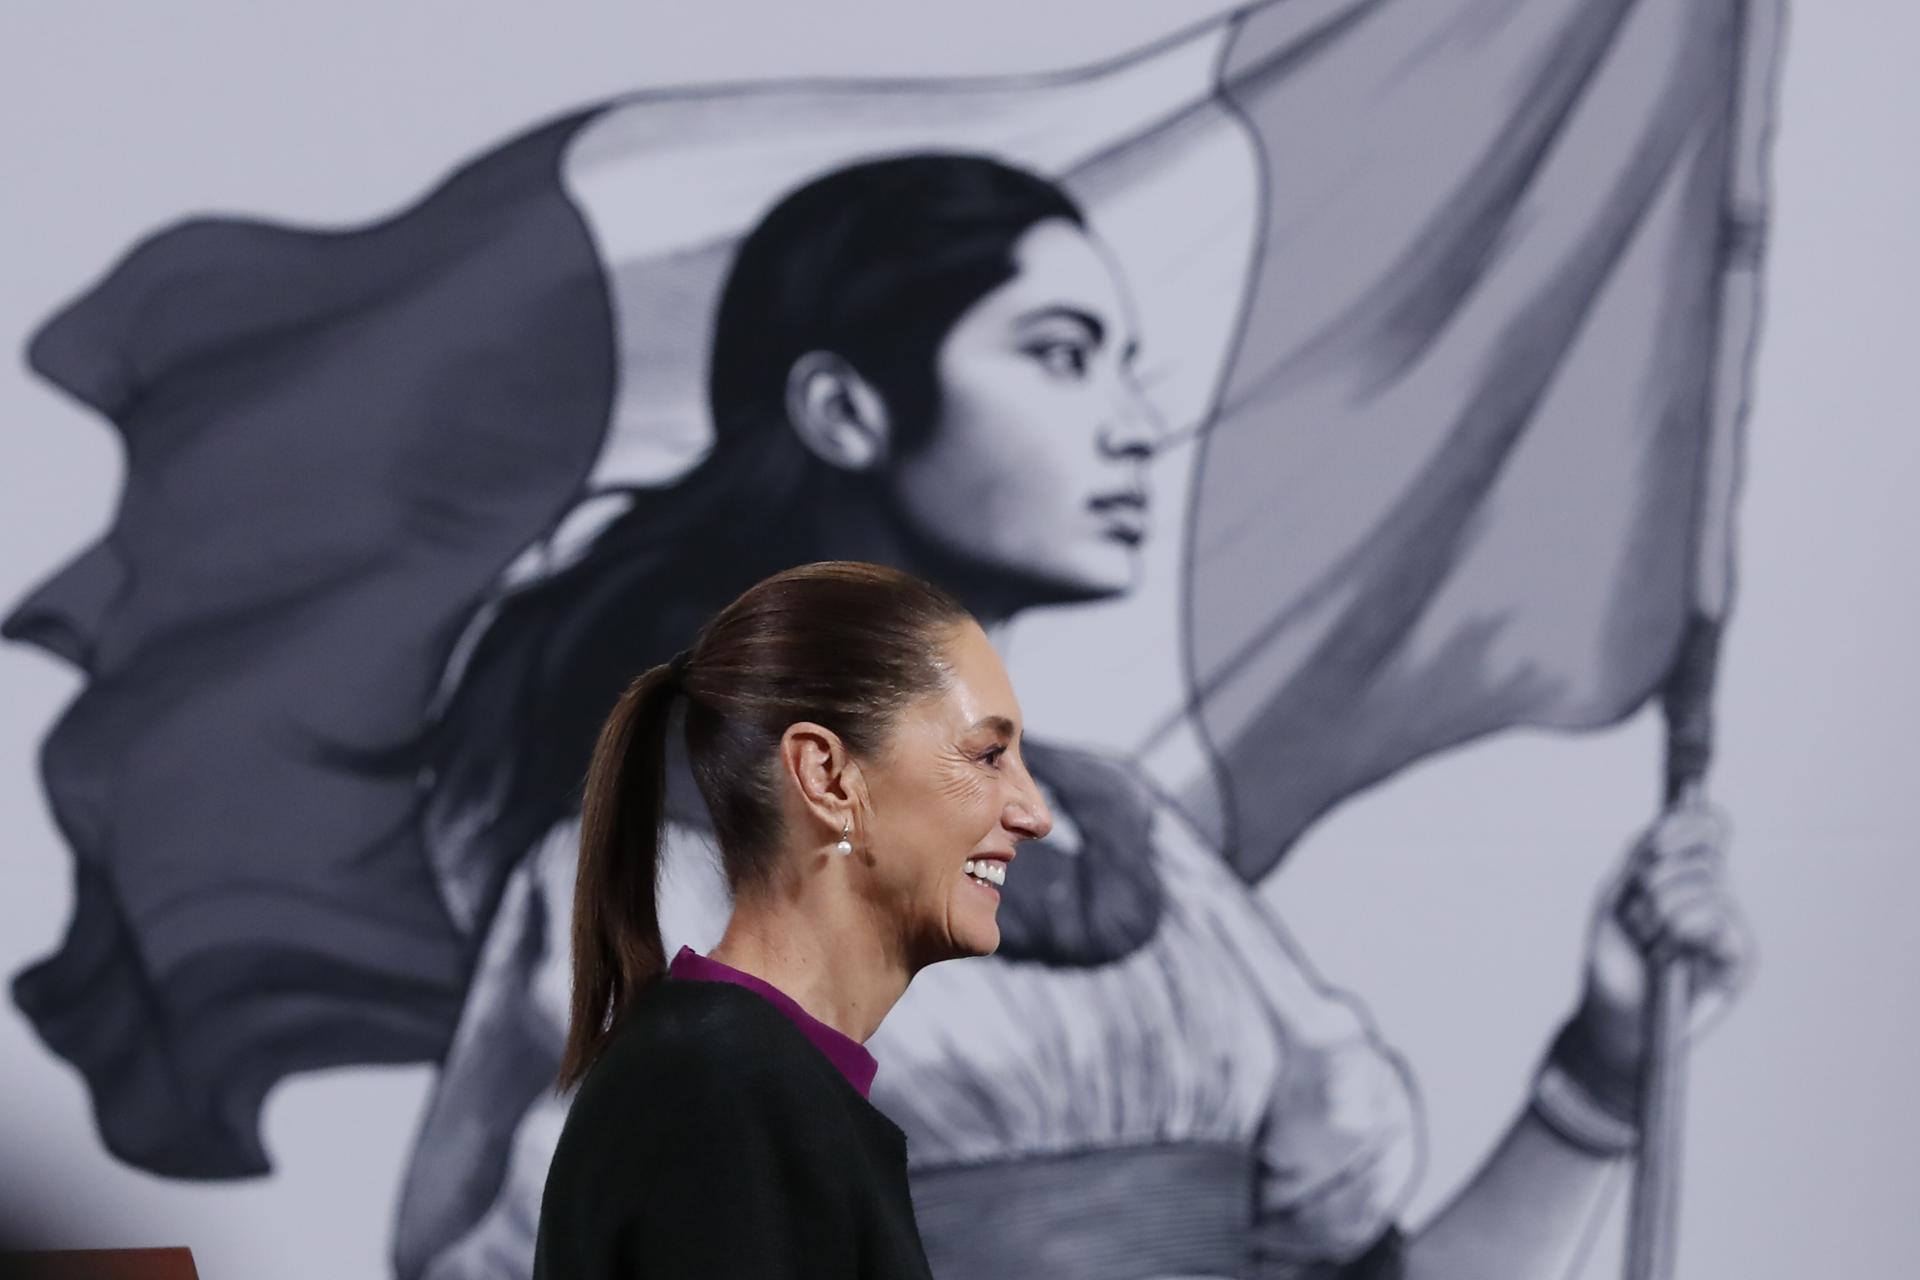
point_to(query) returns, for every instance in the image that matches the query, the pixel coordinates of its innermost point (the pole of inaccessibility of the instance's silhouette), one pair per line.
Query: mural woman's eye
(1061, 359)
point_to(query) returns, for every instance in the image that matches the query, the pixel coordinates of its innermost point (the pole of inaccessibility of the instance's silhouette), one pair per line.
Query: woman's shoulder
(719, 1051)
(698, 1093)
(684, 1037)
(694, 1069)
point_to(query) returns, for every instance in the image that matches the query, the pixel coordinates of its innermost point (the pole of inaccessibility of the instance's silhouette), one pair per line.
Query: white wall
(1453, 898)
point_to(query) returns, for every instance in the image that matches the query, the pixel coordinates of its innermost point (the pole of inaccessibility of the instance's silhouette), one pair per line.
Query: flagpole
(1687, 699)
(1653, 1218)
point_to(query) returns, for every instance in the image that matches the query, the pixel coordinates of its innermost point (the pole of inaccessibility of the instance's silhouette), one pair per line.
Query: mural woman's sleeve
(1338, 1152)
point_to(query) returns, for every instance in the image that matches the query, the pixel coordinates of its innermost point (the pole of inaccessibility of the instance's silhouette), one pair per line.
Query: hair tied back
(677, 666)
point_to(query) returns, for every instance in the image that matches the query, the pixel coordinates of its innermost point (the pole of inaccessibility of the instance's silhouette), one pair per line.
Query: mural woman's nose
(1134, 429)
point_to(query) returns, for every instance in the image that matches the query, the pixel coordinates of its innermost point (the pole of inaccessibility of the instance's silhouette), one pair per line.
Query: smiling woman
(858, 745)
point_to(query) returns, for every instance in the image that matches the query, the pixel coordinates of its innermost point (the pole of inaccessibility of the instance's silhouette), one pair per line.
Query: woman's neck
(856, 523)
(813, 942)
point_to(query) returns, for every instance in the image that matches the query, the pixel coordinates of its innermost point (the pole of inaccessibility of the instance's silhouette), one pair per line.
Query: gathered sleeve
(1338, 1150)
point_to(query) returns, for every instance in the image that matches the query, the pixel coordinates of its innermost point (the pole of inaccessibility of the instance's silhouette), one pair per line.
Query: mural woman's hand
(1667, 902)
(1670, 899)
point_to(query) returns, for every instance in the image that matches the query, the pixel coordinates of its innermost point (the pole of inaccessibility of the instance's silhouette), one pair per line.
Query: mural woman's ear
(839, 415)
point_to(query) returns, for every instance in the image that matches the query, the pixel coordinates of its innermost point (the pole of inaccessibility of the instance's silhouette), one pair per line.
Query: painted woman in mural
(929, 361)
(406, 508)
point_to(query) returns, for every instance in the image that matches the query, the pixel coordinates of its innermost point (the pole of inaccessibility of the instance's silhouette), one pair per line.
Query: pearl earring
(845, 846)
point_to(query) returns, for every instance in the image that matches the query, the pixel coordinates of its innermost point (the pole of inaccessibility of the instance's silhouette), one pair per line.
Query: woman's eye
(1061, 359)
(992, 758)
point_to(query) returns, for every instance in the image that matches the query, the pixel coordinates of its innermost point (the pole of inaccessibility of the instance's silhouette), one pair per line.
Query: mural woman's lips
(1124, 513)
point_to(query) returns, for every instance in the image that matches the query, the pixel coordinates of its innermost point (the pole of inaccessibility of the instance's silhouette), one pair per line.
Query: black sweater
(714, 1140)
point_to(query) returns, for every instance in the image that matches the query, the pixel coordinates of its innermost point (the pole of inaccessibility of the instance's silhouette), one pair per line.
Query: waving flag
(1461, 466)
(1431, 289)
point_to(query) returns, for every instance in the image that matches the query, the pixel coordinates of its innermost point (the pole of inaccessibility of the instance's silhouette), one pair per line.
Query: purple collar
(846, 1053)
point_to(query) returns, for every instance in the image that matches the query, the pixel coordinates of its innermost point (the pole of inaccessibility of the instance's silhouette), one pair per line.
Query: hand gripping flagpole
(1687, 698)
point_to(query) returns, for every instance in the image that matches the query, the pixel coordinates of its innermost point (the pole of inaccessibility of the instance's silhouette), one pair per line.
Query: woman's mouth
(986, 874)
(1124, 515)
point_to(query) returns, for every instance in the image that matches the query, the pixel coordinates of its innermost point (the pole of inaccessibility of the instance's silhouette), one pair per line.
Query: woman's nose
(1029, 815)
(1134, 429)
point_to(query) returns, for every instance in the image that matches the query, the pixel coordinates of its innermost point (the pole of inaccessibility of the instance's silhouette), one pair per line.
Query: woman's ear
(839, 415)
(819, 766)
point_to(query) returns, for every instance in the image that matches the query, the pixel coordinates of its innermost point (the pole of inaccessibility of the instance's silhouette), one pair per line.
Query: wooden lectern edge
(174, 1262)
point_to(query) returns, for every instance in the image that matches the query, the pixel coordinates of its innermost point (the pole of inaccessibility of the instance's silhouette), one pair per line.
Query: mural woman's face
(950, 800)
(1036, 467)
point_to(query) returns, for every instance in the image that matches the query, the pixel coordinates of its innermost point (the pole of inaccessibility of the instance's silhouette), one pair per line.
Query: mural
(1375, 368)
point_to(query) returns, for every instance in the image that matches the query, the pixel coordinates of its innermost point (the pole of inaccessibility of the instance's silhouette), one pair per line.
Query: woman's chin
(1098, 570)
(981, 938)
(985, 944)
(975, 932)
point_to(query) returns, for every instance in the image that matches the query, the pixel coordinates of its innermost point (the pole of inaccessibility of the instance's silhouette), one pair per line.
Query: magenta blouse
(846, 1053)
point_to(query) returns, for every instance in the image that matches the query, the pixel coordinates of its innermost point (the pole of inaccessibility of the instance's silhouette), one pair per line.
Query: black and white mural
(1301, 393)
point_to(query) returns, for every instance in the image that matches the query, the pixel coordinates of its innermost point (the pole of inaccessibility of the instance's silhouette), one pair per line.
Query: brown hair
(845, 645)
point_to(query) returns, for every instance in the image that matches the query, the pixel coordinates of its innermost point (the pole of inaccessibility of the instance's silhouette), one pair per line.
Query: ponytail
(617, 951)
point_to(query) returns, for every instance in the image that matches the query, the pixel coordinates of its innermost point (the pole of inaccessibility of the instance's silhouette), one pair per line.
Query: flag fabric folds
(1459, 468)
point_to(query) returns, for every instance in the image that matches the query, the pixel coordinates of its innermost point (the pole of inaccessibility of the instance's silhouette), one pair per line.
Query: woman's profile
(857, 744)
(926, 361)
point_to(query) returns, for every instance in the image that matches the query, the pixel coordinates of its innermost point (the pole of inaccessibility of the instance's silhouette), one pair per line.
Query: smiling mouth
(985, 874)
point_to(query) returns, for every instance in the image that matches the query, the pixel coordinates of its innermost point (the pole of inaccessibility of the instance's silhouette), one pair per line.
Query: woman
(722, 1125)
(926, 361)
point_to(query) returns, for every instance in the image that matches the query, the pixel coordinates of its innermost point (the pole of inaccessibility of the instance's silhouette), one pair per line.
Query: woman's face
(952, 791)
(1036, 466)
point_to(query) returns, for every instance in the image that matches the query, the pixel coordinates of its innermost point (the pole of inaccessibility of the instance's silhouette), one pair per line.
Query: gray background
(1452, 899)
